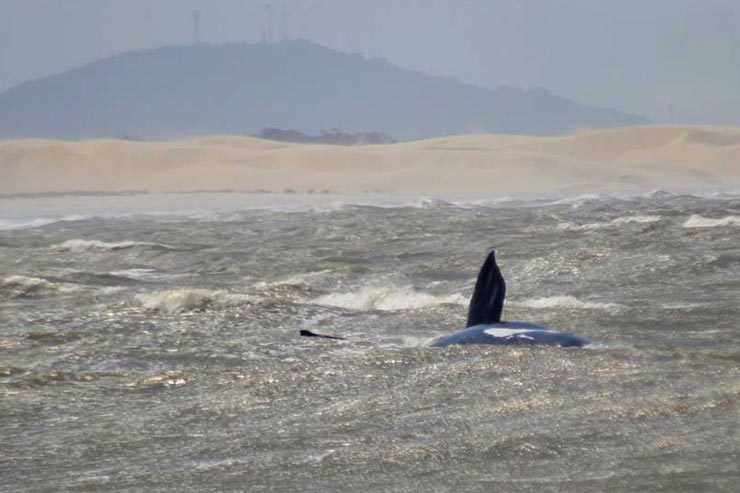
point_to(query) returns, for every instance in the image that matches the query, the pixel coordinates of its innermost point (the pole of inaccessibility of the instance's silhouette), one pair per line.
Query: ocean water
(150, 343)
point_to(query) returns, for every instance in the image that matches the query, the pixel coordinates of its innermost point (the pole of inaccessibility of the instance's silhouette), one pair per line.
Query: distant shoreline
(733, 190)
(127, 193)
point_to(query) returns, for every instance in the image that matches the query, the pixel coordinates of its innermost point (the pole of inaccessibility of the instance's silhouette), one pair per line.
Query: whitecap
(432, 203)
(566, 302)
(188, 299)
(387, 299)
(682, 306)
(80, 245)
(145, 274)
(580, 200)
(111, 290)
(620, 221)
(697, 221)
(16, 285)
(11, 224)
(334, 206)
(296, 279)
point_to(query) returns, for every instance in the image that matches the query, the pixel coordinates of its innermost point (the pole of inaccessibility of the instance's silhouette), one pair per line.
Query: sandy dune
(627, 159)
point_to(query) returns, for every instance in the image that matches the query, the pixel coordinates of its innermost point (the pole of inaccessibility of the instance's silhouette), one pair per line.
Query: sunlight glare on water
(152, 341)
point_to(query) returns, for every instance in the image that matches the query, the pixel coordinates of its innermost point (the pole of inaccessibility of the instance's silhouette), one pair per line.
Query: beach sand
(627, 159)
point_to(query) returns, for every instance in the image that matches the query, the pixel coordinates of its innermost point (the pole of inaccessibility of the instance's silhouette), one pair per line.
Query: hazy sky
(642, 56)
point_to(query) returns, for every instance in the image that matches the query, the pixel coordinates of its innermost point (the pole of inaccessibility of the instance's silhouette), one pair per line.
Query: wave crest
(190, 299)
(80, 245)
(21, 286)
(11, 224)
(697, 221)
(620, 221)
(387, 299)
(566, 302)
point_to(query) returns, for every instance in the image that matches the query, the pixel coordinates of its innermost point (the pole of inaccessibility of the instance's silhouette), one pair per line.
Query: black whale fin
(487, 302)
(308, 333)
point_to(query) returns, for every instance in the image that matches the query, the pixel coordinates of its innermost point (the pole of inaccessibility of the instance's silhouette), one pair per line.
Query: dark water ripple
(146, 353)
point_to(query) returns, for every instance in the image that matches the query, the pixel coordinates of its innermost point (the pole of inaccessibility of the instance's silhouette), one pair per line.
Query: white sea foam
(620, 221)
(80, 245)
(10, 224)
(387, 299)
(566, 302)
(145, 274)
(580, 200)
(680, 306)
(296, 279)
(697, 221)
(110, 290)
(138, 274)
(188, 299)
(490, 202)
(432, 203)
(334, 206)
(16, 286)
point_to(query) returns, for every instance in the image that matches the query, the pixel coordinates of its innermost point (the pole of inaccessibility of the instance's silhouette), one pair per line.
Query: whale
(484, 325)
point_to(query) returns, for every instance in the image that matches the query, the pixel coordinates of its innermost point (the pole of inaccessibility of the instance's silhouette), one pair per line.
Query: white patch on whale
(515, 333)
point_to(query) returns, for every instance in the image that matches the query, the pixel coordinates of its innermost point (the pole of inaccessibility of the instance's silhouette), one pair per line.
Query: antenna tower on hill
(267, 29)
(196, 27)
(285, 21)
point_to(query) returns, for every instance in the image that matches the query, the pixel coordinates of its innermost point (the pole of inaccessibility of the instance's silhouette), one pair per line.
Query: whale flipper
(487, 302)
(308, 333)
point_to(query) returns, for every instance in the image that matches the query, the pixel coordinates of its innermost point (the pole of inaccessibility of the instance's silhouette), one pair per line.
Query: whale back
(487, 302)
(511, 333)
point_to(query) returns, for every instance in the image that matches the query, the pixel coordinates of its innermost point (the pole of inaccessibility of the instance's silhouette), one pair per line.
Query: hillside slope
(241, 88)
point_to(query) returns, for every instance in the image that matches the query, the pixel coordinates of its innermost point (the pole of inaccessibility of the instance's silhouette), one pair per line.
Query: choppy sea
(150, 343)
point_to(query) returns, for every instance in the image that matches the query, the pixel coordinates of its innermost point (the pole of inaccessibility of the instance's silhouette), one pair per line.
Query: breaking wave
(191, 299)
(79, 245)
(620, 221)
(17, 286)
(298, 287)
(293, 280)
(579, 201)
(387, 299)
(566, 302)
(145, 275)
(10, 224)
(697, 221)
